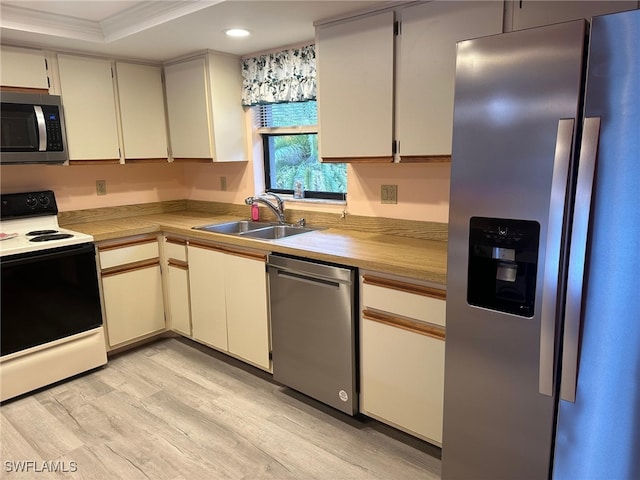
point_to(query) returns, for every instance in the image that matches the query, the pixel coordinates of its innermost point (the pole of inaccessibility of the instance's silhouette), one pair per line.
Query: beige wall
(423, 189)
(75, 186)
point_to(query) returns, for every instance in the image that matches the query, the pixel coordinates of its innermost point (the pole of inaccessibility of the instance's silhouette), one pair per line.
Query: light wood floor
(172, 410)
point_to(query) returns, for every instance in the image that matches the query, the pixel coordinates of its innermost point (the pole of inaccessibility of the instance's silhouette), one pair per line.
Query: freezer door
(598, 436)
(517, 99)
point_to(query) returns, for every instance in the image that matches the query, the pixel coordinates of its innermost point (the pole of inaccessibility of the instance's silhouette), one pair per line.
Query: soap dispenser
(255, 212)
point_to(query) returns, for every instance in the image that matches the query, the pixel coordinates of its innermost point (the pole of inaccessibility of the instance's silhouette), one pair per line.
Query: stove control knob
(44, 200)
(32, 202)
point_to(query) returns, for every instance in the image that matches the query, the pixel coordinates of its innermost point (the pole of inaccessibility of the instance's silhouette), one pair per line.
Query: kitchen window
(289, 134)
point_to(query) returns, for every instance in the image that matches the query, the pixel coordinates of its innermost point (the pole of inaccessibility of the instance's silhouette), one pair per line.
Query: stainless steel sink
(274, 232)
(259, 230)
(233, 227)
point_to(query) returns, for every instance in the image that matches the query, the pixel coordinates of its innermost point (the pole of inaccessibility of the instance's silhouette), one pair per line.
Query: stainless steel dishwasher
(313, 328)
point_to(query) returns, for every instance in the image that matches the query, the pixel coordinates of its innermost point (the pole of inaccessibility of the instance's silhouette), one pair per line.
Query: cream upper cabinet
(355, 89)
(142, 112)
(206, 118)
(426, 68)
(89, 102)
(534, 13)
(23, 67)
(385, 87)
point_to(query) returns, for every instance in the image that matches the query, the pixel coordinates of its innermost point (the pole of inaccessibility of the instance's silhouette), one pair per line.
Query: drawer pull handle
(404, 287)
(127, 243)
(405, 324)
(130, 267)
(239, 253)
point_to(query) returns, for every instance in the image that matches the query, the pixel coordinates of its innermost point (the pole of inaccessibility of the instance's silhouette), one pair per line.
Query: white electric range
(51, 315)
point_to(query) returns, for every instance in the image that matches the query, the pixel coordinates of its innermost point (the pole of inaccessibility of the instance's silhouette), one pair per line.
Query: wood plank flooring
(175, 410)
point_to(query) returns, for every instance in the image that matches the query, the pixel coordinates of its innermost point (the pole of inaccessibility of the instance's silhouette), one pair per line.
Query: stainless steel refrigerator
(542, 363)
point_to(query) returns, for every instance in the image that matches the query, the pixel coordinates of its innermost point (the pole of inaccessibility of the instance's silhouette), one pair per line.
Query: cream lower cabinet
(177, 283)
(228, 291)
(402, 355)
(132, 289)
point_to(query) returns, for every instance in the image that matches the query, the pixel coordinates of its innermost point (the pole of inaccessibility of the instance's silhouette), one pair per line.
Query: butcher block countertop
(416, 250)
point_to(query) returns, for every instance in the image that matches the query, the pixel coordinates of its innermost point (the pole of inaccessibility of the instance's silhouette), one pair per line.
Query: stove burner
(51, 236)
(40, 232)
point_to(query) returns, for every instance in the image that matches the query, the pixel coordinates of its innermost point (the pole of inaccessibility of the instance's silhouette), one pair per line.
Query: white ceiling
(160, 30)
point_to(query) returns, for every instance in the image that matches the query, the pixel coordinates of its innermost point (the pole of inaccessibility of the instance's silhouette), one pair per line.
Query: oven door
(48, 295)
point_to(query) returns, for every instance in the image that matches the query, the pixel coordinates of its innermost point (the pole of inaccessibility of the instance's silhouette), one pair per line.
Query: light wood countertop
(410, 257)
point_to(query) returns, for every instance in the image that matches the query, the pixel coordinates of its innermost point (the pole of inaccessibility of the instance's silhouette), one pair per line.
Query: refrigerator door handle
(577, 257)
(548, 314)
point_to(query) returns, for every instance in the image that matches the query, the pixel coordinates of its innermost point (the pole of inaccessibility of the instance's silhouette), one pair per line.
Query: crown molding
(140, 17)
(149, 14)
(33, 21)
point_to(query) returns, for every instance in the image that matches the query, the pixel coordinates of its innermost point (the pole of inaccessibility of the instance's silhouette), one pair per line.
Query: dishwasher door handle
(306, 279)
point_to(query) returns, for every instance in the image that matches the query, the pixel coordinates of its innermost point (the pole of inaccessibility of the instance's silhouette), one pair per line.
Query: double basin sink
(259, 230)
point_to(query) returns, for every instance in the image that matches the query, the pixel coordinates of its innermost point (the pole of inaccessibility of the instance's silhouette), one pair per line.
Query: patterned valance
(287, 76)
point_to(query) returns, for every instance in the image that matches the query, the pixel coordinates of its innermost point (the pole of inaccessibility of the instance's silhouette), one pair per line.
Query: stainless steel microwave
(32, 129)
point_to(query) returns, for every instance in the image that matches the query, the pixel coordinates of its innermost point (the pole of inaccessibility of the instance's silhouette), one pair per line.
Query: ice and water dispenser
(503, 258)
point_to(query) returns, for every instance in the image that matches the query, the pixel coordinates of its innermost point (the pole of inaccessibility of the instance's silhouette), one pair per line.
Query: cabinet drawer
(405, 299)
(175, 248)
(122, 253)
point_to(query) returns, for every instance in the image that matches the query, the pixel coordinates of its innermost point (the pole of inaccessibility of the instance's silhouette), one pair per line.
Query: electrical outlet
(223, 184)
(389, 194)
(101, 187)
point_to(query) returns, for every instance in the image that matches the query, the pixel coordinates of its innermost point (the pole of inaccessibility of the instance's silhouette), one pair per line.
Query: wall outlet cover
(101, 187)
(389, 194)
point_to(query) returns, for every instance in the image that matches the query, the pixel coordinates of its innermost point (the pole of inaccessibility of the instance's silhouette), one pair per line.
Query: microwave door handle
(42, 128)
(577, 257)
(548, 315)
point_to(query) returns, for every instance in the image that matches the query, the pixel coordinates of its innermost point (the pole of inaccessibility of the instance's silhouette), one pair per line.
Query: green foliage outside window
(294, 156)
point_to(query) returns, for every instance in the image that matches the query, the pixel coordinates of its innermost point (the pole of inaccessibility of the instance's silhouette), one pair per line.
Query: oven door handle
(29, 257)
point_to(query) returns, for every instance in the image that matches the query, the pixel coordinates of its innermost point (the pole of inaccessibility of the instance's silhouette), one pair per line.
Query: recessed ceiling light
(237, 32)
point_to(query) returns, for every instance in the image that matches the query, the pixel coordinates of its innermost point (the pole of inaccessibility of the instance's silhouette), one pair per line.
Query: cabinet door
(247, 311)
(23, 67)
(355, 88)
(229, 137)
(178, 296)
(190, 127)
(534, 13)
(142, 113)
(133, 304)
(207, 292)
(90, 108)
(402, 378)
(426, 70)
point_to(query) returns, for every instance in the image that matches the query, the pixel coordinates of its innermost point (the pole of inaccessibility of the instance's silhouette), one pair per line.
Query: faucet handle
(278, 199)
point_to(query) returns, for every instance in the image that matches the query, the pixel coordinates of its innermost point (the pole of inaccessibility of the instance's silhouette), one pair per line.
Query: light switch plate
(389, 194)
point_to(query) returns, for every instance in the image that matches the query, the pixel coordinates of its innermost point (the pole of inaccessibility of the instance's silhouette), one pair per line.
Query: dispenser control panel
(503, 263)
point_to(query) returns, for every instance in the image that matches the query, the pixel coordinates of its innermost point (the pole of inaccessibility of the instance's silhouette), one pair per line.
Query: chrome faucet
(278, 208)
